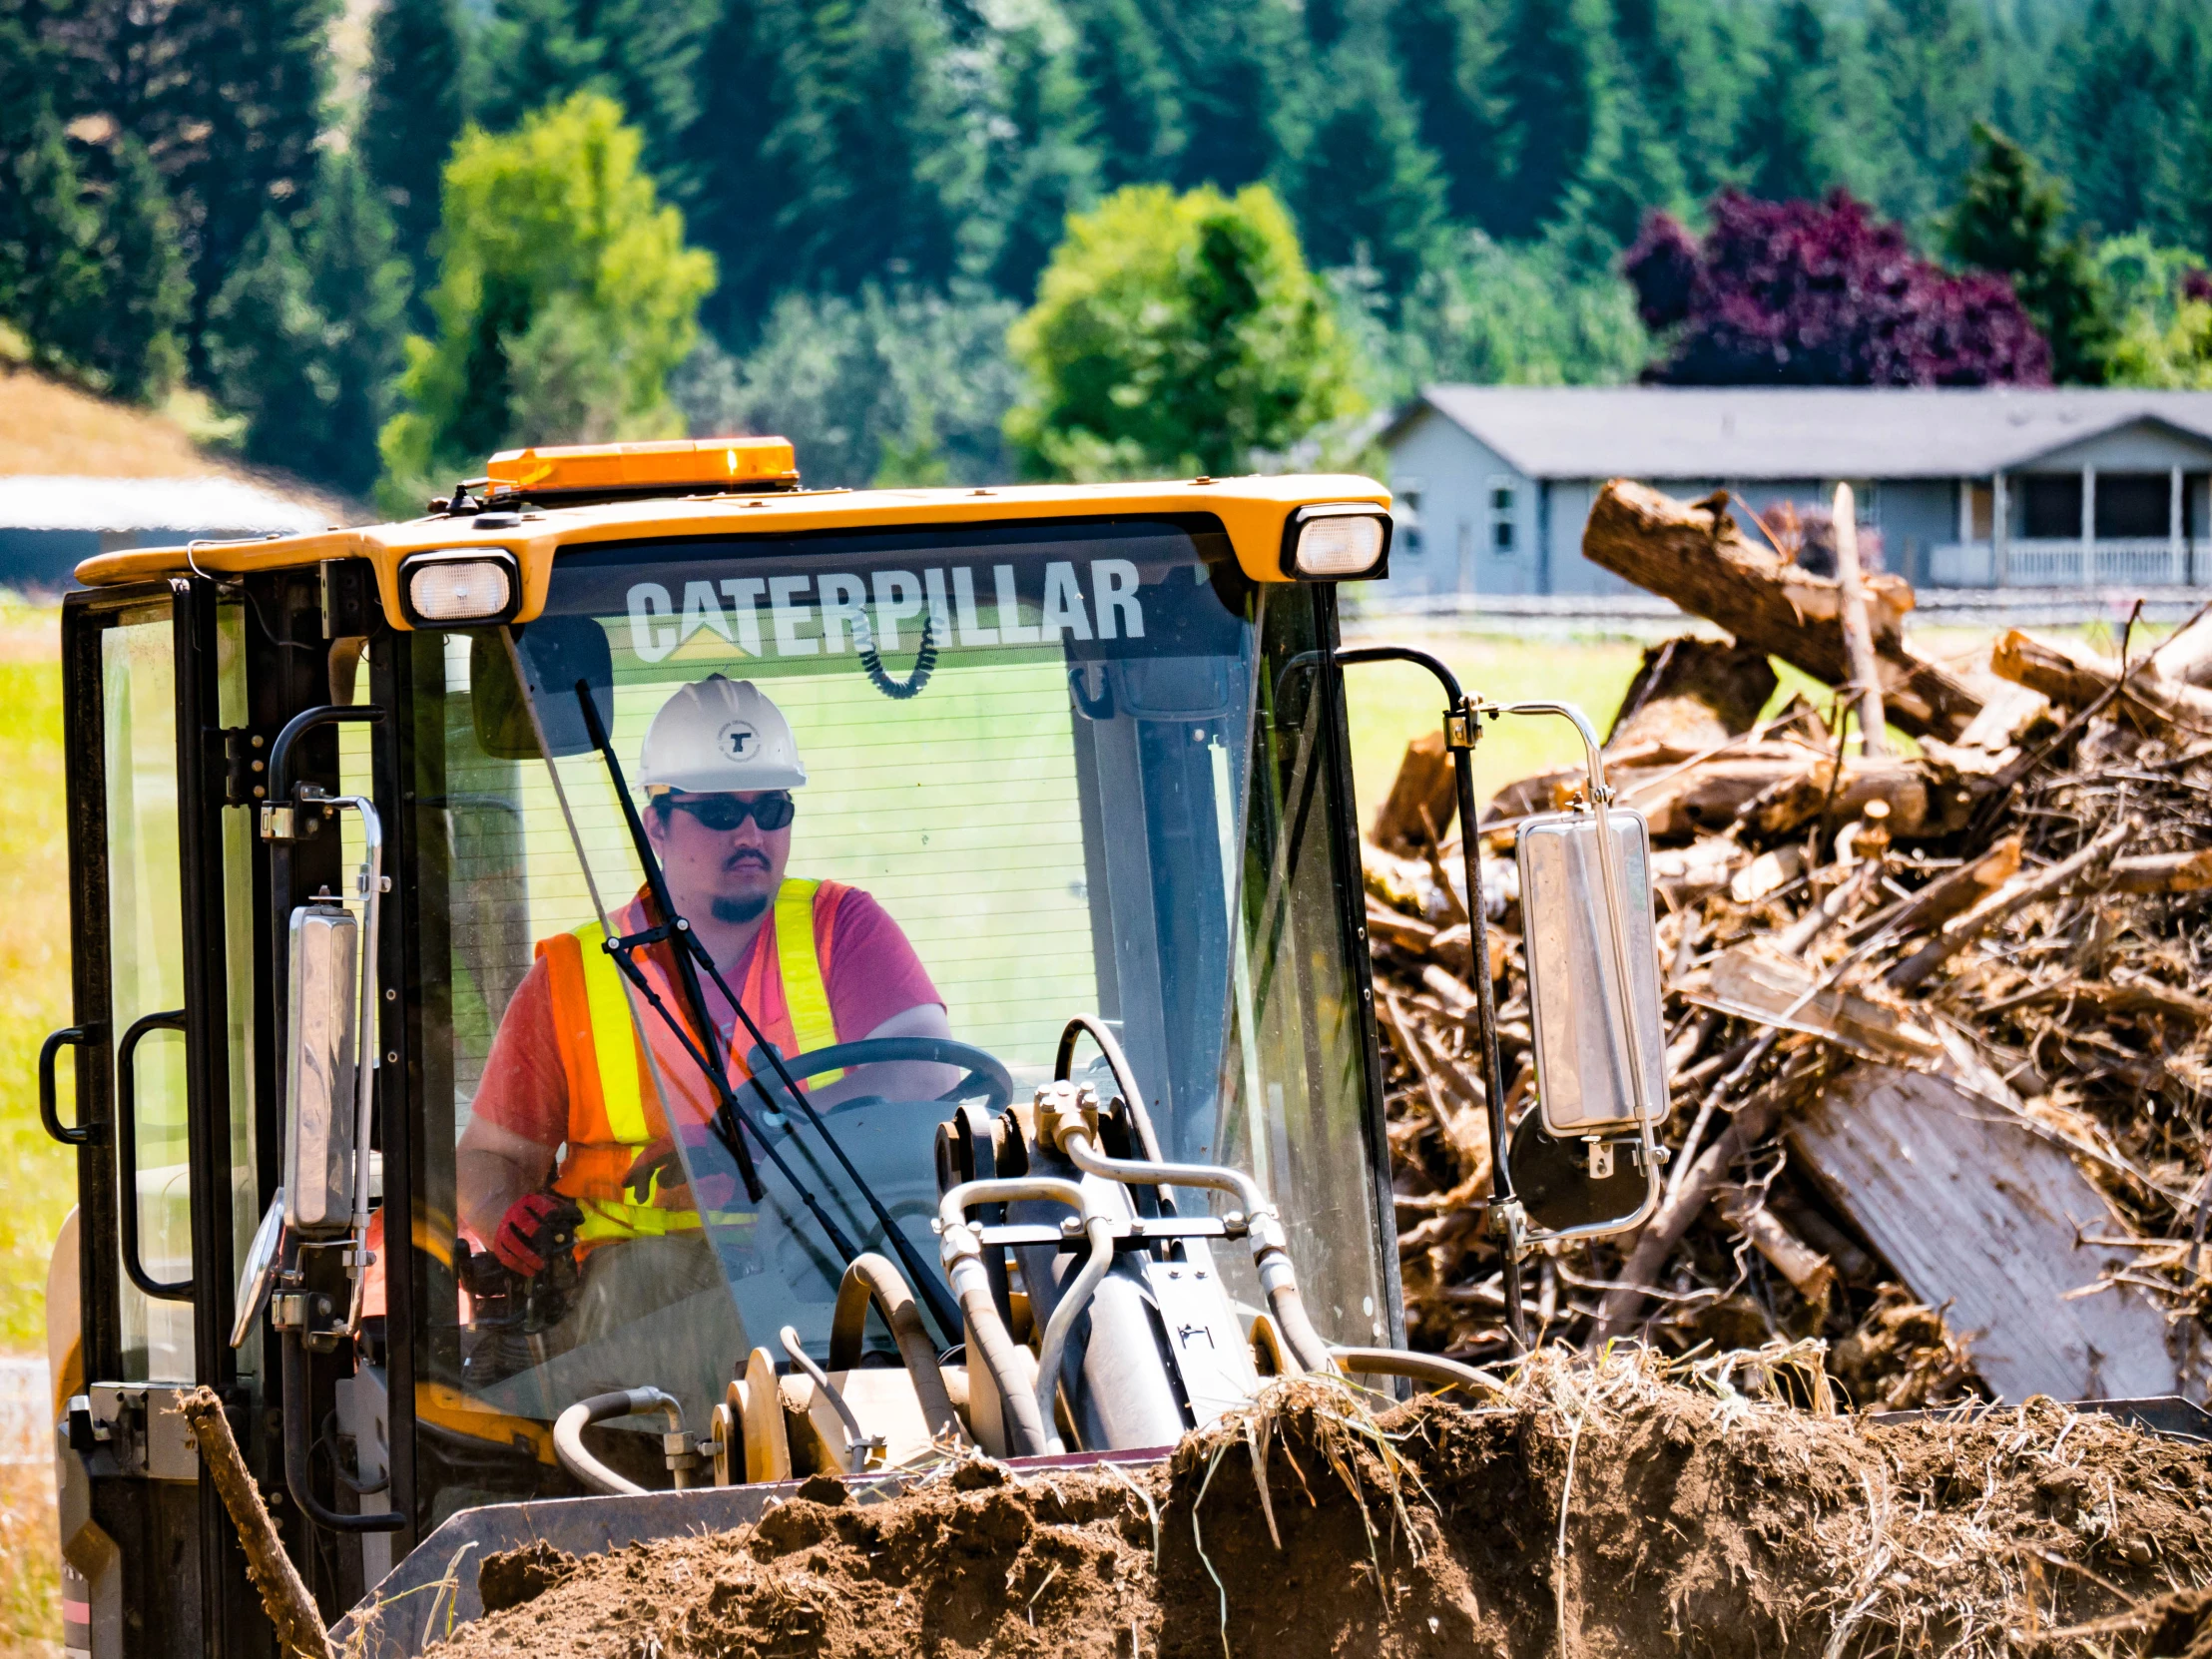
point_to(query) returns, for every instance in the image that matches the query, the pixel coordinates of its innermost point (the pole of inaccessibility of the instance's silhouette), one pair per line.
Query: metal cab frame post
(116, 1433)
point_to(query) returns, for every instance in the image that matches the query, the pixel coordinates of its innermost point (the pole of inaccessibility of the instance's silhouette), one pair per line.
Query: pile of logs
(1939, 1038)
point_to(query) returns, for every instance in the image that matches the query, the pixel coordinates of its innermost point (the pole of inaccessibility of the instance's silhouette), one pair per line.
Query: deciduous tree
(565, 297)
(1177, 333)
(1823, 294)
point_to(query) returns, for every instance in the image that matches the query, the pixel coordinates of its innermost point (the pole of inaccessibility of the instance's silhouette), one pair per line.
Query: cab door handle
(126, 1153)
(49, 1105)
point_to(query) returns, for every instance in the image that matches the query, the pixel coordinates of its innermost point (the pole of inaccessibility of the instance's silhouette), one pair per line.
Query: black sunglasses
(723, 812)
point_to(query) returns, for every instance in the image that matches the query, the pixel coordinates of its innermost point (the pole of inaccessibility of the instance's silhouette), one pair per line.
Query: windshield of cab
(1044, 775)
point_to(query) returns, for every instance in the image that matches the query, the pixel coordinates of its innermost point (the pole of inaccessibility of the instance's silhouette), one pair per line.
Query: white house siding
(1442, 477)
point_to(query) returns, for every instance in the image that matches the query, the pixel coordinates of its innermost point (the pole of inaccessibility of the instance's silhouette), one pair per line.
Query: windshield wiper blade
(691, 953)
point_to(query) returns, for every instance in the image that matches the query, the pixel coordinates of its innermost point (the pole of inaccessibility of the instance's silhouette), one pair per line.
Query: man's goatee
(735, 911)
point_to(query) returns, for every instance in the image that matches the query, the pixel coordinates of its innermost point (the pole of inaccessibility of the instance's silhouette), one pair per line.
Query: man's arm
(492, 1167)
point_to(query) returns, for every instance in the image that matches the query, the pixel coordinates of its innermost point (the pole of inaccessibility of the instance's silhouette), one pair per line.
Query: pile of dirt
(1588, 1509)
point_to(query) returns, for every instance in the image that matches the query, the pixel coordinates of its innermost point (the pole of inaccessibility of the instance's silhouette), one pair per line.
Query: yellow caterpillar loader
(378, 884)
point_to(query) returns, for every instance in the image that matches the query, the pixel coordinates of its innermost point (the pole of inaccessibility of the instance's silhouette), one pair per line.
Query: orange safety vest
(614, 1109)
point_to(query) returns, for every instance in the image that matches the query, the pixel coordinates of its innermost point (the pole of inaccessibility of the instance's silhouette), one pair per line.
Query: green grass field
(37, 1178)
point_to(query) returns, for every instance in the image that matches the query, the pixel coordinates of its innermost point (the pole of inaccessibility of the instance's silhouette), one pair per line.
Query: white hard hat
(720, 737)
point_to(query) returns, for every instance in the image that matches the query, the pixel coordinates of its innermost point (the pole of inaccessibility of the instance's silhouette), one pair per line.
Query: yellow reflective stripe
(613, 1037)
(606, 1219)
(804, 995)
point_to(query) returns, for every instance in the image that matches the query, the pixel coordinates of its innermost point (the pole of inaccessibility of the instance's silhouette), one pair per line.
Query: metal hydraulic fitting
(1063, 1109)
(1265, 1229)
(958, 1243)
(680, 1453)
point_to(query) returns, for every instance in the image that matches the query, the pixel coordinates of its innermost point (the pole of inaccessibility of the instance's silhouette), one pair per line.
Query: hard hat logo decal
(738, 741)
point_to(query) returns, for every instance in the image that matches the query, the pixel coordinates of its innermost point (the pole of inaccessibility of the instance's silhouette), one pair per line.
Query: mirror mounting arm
(1461, 730)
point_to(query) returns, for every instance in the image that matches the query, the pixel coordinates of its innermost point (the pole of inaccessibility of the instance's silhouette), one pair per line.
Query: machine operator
(815, 962)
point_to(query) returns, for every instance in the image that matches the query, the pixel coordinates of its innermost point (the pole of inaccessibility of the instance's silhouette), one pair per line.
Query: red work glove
(528, 1231)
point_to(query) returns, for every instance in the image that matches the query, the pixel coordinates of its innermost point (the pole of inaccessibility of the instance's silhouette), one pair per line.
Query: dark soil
(1699, 1521)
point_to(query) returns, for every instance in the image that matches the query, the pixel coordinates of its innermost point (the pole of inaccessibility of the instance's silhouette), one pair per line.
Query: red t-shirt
(874, 973)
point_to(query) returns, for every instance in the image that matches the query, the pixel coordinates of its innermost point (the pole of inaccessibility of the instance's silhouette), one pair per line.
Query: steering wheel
(982, 1068)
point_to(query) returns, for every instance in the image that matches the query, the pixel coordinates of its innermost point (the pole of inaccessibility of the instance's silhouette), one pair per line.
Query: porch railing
(2036, 562)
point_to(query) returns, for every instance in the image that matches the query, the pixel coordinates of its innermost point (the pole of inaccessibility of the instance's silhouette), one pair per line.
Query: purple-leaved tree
(1820, 293)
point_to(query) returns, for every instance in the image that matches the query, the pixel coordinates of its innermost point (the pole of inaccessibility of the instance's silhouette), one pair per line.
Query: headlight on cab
(460, 587)
(1337, 541)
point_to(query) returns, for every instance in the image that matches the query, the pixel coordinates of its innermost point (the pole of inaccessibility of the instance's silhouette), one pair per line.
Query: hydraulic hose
(1270, 1255)
(858, 1445)
(872, 1277)
(962, 1253)
(1125, 1077)
(297, 1479)
(1075, 1296)
(568, 1434)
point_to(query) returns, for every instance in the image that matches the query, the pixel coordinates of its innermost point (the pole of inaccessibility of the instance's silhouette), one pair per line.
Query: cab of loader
(331, 797)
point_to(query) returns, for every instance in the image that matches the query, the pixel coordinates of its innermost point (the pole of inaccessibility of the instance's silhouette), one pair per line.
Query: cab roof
(535, 504)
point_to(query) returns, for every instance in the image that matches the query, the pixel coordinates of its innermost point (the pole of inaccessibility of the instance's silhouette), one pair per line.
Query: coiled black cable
(925, 661)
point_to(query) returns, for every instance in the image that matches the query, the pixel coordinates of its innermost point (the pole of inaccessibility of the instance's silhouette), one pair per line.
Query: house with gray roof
(1968, 488)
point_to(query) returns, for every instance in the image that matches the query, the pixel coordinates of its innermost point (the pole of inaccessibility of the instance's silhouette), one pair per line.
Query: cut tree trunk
(1692, 694)
(1695, 556)
(2077, 676)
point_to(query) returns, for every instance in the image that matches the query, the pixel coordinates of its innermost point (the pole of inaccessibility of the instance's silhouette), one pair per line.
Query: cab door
(160, 917)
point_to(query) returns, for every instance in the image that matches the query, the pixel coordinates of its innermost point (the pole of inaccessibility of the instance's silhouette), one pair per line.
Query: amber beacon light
(698, 463)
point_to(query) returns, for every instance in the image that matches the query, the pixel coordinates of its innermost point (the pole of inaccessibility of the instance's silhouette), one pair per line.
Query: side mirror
(554, 652)
(319, 1087)
(1585, 1021)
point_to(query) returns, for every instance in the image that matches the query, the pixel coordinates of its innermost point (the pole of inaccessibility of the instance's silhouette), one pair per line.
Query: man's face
(730, 872)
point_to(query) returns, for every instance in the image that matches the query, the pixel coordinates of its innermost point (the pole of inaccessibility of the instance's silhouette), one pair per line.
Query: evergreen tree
(1177, 335)
(2009, 220)
(305, 336)
(1042, 165)
(1933, 80)
(1136, 118)
(1444, 51)
(1632, 171)
(1783, 144)
(130, 342)
(414, 113)
(50, 278)
(1675, 60)
(1547, 76)
(644, 54)
(832, 146)
(1366, 187)
(2136, 72)
(565, 298)
(1234, 62)
(247, 110)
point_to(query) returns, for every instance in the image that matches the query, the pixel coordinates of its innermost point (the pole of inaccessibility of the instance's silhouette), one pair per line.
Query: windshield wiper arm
(691, 950)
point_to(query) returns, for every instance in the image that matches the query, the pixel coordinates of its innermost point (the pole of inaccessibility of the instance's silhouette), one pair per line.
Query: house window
(1407, 513)
(1504, 527)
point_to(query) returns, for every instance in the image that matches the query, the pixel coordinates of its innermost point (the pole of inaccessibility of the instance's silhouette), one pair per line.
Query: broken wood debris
(1992, 949)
